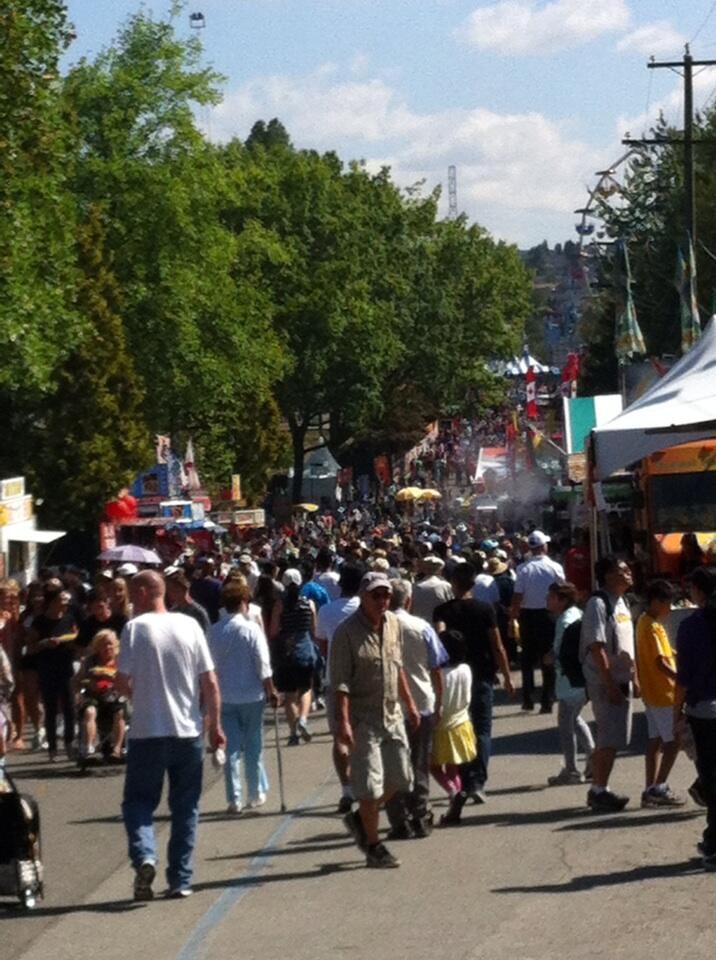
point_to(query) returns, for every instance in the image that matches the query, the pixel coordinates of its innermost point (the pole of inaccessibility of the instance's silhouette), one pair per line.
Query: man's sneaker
(234, 809)
(452, 817)
(294, 740)
(422, 826)
(354, 826)
(401, 831)
(606, 802)
(566, 778)
(379, 857)
(257, 801)
(178, 893)
(345, 805)
(478, 796)
(143, 881)
(527, 707)
(696, 795)
(546, 708)
(654, 797)
(303, 731)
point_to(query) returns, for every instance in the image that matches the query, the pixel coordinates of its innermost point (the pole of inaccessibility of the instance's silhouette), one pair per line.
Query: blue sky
(526, 97)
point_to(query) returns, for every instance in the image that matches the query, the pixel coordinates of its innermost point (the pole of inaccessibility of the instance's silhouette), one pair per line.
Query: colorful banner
(531, 383)
(629, 339)
(688, 306)
(583, 414)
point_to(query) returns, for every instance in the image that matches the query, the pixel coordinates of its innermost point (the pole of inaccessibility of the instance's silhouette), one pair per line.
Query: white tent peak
(679, 408)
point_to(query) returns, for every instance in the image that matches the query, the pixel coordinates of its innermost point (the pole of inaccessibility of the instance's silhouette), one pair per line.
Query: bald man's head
(147, 591)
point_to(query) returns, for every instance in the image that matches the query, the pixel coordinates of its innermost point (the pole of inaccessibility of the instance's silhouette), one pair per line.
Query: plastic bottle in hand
(218, 758)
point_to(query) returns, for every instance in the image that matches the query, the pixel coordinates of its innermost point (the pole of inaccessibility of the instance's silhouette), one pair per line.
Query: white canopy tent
(679, 408)
(518, 366)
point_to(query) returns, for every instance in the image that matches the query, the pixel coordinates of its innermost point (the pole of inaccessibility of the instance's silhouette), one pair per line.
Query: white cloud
(658, 38)
(671, 106)
(519, 174)
(530, 27)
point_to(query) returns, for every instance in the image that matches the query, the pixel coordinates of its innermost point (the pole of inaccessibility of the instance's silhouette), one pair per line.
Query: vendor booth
(19, 536)
(669, 436)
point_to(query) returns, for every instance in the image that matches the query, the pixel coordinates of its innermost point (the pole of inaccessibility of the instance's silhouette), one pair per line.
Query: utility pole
(687, 65)
(452, 193)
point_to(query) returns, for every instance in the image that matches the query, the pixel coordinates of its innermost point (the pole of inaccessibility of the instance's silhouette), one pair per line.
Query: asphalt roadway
(531, 875)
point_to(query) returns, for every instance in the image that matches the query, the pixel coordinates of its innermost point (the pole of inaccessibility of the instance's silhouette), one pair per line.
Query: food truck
(677, 496)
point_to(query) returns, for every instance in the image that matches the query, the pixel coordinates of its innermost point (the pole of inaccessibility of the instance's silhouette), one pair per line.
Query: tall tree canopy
(229, 292)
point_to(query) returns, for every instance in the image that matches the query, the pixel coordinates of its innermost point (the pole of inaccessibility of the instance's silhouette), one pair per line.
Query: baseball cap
(374, 580)
(127, 569)
(292, 576)
(538, 539)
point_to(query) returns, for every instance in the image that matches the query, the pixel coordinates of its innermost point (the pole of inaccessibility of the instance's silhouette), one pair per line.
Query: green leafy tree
(93, 438)
(198, 327)
(37, 322)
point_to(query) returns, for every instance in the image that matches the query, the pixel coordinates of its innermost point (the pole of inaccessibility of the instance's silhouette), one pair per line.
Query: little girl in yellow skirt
(454, 742)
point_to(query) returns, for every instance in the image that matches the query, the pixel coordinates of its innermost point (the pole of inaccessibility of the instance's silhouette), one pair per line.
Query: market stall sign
(17, 510)
(12, 489)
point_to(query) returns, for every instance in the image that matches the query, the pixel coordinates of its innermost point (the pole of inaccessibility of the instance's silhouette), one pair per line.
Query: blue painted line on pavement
(194, 948)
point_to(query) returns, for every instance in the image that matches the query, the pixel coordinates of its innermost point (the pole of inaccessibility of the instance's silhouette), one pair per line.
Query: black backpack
(569, 659)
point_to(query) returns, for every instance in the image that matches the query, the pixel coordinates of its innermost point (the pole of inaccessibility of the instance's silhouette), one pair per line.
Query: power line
(703, 25)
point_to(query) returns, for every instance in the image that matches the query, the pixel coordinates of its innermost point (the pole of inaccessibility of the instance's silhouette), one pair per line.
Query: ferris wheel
(607, 192)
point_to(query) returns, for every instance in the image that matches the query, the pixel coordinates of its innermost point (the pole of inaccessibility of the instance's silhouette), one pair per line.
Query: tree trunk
(298, 439)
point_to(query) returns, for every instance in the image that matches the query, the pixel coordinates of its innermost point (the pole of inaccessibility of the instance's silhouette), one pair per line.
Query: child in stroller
(101, 710)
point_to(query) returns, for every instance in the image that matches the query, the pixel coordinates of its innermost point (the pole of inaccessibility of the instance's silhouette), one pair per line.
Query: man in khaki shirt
(368, 679)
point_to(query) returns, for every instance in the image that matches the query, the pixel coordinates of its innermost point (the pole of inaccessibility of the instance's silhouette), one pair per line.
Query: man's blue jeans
(243, 726)
(481, 715)
(148, 760)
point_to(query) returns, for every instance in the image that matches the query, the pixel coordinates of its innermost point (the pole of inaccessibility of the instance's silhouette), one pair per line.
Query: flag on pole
(570, 375)
(688, 306)
(629, 339)
(531, 383)
(192, 477)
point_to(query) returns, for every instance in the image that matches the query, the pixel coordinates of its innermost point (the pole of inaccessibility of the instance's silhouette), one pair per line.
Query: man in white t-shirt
(529, 603)
(166, 669)
(328, 619)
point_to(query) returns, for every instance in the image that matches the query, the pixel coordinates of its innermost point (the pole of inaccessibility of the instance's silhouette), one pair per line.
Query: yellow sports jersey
(657, 690)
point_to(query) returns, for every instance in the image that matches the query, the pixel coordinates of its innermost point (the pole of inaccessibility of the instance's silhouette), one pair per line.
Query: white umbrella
(130, 553)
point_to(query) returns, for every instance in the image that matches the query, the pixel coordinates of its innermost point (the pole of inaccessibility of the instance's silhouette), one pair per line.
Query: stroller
(21, 869)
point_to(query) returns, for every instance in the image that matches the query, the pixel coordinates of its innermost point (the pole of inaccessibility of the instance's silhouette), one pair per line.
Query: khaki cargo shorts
(380, 762)
(613, 721)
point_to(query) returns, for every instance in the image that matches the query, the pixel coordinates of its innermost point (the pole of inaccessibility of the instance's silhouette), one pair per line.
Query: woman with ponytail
(696, 694)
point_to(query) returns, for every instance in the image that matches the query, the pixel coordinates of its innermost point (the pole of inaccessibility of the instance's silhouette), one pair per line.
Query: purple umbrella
(130, 553)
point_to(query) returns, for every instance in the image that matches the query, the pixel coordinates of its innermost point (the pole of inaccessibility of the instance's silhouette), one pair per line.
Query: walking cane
(279, 760)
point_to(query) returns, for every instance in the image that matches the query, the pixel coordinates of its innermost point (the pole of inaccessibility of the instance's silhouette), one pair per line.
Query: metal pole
(689, 174)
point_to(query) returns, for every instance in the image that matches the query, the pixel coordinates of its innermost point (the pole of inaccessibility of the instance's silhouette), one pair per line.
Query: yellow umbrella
(431, 495)
(308, 507)
(408, 493)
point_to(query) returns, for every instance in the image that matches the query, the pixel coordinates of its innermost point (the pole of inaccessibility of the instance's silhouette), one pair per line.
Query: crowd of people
(401, 631)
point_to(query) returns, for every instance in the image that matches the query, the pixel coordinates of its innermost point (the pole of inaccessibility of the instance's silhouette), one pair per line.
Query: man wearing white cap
(529, 603)
(433, 590)
(369, 682)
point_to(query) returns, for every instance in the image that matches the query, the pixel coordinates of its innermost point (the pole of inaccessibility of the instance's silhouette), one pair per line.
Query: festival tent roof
(679, 408)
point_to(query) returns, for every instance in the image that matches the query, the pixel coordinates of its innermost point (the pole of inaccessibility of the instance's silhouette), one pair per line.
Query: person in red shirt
(577, 565)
